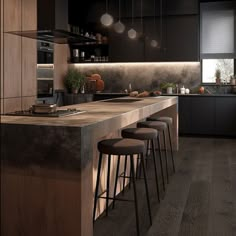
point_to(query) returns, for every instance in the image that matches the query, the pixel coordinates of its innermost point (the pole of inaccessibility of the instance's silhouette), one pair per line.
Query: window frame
(226, 5)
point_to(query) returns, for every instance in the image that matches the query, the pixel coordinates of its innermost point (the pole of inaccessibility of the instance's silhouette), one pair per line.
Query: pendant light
(154, 42)
(161, 24)
(132, 34)
(141, 17)
(106, 18)
(119, 27)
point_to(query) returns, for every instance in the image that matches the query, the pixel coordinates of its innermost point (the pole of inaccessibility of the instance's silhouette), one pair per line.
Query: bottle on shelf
(82, 56)
(75, 58)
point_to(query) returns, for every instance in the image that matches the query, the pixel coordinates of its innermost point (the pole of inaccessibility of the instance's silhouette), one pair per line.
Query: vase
(75, 90)
(169, 90)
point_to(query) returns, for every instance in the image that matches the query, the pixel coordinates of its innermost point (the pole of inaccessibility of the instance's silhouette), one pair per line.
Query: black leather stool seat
(121, 146)
(159, 125)
(168, 120)
(140, 133)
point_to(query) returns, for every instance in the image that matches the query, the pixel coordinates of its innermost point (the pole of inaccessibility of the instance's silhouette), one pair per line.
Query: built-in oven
(45, 85)
(44, 52)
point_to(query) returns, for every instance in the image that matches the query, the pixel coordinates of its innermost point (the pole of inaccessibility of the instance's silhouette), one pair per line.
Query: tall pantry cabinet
(18, 55)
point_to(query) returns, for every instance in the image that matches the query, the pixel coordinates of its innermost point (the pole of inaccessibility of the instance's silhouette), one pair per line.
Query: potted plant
(73, 80)
(168, 87)
(217, 76)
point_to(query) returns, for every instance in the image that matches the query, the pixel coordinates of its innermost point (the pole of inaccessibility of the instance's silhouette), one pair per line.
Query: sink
(123, 100)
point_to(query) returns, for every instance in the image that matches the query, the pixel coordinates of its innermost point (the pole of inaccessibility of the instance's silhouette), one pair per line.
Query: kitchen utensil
(44, 108)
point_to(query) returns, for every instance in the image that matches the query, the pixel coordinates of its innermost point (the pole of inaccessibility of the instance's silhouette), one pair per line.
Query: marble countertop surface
(99, 111)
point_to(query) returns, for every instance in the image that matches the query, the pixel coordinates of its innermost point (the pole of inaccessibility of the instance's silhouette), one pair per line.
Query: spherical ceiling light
(132, 34)
(154, 43)
(106, 19)
(119, 27)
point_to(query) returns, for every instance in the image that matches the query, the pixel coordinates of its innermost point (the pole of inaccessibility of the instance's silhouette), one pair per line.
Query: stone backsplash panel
(144, 76)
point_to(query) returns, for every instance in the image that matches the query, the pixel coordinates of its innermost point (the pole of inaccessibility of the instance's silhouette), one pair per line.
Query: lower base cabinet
(71, 99)
(207, 115)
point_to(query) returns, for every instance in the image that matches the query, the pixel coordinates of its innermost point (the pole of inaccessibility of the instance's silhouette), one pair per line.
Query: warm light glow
(106, 19)
(154, 43)
(132, 34)
(148, 64)
(119, 27)
(45, 66)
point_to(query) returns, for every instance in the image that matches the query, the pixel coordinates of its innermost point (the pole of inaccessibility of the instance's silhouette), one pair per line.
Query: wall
(144, 76)
(18, 55)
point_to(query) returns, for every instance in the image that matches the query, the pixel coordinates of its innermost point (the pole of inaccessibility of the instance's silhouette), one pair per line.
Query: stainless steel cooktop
(58, 113)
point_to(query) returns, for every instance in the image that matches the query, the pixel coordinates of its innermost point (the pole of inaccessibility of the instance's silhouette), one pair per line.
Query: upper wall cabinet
(181, 39)
(180, 28)
(181, 7)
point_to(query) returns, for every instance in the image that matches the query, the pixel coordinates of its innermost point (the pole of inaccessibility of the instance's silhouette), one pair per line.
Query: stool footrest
(99, 195)
(118, 199)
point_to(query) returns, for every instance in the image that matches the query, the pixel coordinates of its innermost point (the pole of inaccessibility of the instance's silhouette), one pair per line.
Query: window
(218, 44)
(209, 67)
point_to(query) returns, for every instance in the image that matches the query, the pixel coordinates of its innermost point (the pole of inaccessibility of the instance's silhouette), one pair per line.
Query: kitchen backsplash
(144, 76)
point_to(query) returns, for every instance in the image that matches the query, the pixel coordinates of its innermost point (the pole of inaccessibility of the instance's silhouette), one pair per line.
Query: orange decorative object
(95, 77)
(99, 81)
(201, 90)
(99, 85)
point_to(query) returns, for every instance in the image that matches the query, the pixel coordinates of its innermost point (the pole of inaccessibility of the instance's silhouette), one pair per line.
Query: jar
(182, 90)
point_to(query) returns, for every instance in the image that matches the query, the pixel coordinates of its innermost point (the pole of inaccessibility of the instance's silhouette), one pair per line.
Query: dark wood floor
(199, 200)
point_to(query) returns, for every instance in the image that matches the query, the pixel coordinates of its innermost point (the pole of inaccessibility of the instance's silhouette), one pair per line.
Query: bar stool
(115, 148)
(149, 135)
(169, 122)
(161, 127)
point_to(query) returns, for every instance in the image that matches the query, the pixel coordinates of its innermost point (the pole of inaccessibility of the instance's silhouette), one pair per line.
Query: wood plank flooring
(200, 199)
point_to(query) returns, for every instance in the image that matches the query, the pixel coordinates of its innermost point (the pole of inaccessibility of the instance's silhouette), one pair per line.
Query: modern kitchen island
(49, 165)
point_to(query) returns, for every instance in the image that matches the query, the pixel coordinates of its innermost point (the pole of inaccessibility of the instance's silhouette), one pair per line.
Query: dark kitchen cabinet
(203, 115)
(124, 49)
(70, 99)
(196, 115)
(181, 7)
(180, 34)
(207, 115)
(185, 115)
(226, 115)
(180, 41)
(181, 38)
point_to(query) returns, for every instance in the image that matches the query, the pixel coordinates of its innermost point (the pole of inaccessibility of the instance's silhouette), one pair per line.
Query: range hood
(59, 36)
(52, 24)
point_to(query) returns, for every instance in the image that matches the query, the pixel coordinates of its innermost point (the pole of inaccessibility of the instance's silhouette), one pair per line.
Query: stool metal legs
(97, 185)
(171, 149)
(132, 175)
(159, 150)
(108, 183)
(155, 168)
(135, 193)
(116, 180)
(166, 156)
